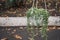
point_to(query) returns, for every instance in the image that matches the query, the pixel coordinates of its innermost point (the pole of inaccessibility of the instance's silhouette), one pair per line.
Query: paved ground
(20, 33)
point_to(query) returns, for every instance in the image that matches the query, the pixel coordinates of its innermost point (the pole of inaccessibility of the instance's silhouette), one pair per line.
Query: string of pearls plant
(37, 17)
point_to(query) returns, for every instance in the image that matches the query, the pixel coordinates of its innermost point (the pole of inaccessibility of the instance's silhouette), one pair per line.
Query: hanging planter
(37, 17)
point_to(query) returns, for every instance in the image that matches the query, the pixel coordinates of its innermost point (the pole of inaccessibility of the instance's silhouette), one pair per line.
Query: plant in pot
(37, 17)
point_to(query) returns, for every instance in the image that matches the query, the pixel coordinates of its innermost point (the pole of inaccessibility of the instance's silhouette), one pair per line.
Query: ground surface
(19, 33)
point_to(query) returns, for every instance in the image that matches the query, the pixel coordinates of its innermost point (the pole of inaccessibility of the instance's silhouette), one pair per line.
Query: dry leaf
(4, 39)
(14, 30)
(21, 28)
(17, 36)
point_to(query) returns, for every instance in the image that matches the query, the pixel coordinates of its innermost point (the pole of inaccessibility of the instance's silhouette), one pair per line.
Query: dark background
(18, 8)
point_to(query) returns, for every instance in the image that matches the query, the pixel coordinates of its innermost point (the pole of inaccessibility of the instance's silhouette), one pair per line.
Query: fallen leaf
(17, 36)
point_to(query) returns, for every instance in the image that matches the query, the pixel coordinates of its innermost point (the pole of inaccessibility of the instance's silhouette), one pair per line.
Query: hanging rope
(33, 3)
(36, 3)
(45, 4)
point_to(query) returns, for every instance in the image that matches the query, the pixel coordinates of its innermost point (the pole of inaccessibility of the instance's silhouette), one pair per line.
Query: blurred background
(18, 8)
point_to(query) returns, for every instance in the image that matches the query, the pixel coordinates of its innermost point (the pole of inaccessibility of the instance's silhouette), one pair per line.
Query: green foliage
(38, 17)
